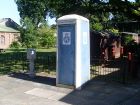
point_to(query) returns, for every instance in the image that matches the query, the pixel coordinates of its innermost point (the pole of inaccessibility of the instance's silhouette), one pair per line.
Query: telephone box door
(66, 54)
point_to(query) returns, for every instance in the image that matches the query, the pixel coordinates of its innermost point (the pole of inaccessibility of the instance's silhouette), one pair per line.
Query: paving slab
(17, 91)
(45, 93)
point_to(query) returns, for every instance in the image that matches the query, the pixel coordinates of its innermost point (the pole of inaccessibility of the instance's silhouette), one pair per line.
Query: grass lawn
(25, 49)
(47, 50)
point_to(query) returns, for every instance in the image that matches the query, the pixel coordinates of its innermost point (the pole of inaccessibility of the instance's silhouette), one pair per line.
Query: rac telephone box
(73, 51)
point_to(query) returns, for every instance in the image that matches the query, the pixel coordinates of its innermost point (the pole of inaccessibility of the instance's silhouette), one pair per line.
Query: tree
(97, 11)
(46, 35)
(129, 10)
(81, 7)
(35, 10)
(28, 33)
(35, 31)
(32, 37)
(137, 1)
(92, 7)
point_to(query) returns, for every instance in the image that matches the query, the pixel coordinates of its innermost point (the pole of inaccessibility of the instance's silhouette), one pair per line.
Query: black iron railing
(17, 61)
(123, 69)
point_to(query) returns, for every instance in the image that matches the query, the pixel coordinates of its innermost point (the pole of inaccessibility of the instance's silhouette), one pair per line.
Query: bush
(128, 39)
(97, 26)
(47, 37)
(114, 31)
(15, 44)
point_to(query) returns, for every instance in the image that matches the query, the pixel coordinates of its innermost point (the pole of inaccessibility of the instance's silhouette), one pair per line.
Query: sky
(8, 9)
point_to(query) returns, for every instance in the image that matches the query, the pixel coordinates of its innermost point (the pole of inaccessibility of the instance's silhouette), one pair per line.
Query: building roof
(7, 29)
(8, 25)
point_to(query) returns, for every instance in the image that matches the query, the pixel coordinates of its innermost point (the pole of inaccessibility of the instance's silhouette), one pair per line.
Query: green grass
(47, 50)
(25, 49)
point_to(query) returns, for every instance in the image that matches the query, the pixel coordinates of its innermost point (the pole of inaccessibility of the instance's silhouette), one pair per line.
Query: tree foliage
(15, 44)
(125, 9)
(33, 14)
(35, 10)
(92, 7)
(33, 37)
(46, 36)
(34, 31)
(97, 11)
(28, 33)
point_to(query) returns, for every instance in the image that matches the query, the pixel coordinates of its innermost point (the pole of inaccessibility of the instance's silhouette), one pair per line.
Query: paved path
(21, 91)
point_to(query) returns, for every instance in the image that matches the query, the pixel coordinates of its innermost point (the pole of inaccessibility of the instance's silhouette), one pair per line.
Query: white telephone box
(73, 52)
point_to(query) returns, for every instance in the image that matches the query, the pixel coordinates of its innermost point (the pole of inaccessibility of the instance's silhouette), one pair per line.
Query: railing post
(124, 71)
(129, 61)
(103, 58)
(113, 52)
(121, 52)
(123, 62)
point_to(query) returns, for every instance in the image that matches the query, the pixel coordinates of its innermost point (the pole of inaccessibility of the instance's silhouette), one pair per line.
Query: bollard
(31, 56)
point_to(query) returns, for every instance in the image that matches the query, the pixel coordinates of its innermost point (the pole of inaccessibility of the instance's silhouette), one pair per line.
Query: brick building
(8, 32)
(104, 42)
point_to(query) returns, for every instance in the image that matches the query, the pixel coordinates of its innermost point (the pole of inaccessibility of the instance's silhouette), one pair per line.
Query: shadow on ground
(39, 79)
(104, 93)
(93, 93)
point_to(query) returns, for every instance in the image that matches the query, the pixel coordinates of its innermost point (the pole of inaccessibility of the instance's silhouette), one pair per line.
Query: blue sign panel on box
(66, 38)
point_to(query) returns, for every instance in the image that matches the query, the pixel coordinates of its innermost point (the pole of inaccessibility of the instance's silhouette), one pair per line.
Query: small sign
(85, 38)
(66, 38)
(32, 53)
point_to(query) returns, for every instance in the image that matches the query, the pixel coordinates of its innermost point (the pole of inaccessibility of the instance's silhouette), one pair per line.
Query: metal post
(32, 69)
(129, 61)
(121, 52)
(113, 52)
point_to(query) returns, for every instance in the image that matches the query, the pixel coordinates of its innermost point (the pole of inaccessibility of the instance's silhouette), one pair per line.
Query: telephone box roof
(72, 17)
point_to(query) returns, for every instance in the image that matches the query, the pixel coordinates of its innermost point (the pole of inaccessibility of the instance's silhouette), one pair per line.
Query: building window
(2, 40)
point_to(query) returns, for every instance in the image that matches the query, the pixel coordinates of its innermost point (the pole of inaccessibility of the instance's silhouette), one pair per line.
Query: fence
(123, 69)
(111, 70)
(16, 62)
